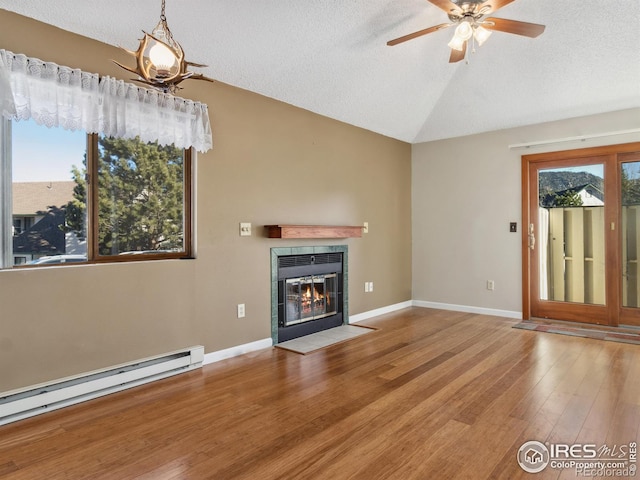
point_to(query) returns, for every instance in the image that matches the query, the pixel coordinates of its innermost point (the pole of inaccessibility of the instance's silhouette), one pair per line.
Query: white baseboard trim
(213, 357)
(468, 309)
(379, 311)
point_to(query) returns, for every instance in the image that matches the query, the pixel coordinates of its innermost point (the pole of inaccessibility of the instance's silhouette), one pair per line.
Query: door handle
(532, 237)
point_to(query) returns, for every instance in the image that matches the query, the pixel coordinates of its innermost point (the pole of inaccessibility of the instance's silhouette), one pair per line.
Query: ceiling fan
(472, 24)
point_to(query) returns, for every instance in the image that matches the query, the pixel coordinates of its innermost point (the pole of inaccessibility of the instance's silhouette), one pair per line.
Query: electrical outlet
(365, 227)
(513, 227)
(371, 286)
(366, 287)
(241, 310)
(491, 285)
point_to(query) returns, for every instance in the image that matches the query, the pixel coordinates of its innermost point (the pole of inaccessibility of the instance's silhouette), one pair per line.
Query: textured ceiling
(331, 57)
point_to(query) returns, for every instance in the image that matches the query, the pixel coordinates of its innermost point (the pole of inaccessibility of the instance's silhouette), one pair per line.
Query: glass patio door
(567, 240)
(581, 241)
(629, 180)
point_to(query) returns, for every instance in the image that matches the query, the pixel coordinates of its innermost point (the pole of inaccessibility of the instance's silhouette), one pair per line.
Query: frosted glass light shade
(464, 30)
(481, 35)
(457, 43)
(162, 58)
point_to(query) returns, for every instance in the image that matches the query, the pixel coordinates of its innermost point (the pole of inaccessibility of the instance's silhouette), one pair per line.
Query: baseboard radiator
(27, 402)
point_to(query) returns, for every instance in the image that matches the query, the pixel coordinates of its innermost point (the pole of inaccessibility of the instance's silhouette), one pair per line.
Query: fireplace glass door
(310, 298)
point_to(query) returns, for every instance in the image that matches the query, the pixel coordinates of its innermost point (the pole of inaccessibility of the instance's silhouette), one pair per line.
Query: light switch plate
(245, 229)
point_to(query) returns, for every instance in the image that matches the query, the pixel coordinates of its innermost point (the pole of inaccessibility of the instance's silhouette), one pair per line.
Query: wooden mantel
(313, 231)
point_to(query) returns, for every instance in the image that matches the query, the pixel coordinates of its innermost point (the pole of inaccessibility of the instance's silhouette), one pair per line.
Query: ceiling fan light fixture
(481, 34)
(457, 43)
(471, 27)
(464, 30)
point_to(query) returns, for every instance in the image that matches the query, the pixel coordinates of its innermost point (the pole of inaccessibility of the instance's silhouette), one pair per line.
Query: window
(91, 198)
(139, 193)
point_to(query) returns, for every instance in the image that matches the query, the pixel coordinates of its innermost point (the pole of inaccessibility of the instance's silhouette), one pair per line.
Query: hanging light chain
(164, 33)
(162, 15)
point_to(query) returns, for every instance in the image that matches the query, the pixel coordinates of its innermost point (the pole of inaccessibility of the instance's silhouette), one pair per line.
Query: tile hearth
(323, 339)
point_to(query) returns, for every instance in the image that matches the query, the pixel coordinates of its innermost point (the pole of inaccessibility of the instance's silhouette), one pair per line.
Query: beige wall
(57, 322)
(466, 191)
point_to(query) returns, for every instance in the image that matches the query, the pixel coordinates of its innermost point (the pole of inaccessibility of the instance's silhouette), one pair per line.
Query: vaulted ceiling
(331, 57)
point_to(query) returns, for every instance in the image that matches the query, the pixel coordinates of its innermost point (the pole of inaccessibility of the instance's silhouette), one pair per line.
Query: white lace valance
(54, 95)
(7, 105)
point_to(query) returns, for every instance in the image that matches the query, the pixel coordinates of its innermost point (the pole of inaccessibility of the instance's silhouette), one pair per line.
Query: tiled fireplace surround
(285, 251)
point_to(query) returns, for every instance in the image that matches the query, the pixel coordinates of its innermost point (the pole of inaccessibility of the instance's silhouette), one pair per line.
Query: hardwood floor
(431, 394)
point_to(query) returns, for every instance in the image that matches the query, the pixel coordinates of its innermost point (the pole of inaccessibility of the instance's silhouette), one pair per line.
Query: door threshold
(566, 323)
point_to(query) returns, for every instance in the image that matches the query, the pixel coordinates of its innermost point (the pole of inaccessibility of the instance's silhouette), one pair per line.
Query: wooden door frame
(612, 237)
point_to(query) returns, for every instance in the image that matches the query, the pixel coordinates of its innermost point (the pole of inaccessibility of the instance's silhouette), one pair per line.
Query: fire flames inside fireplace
(310, 298)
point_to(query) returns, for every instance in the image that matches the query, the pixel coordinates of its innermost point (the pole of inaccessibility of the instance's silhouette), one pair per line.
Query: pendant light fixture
(160, 59)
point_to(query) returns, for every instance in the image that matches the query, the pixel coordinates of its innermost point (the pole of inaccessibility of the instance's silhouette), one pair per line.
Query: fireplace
(308, 290)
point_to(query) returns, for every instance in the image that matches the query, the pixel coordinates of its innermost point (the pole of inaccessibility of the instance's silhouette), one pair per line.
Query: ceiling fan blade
(457, 55)
(495, 5)
(447, 5)
(419, 33)
(513, 26)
